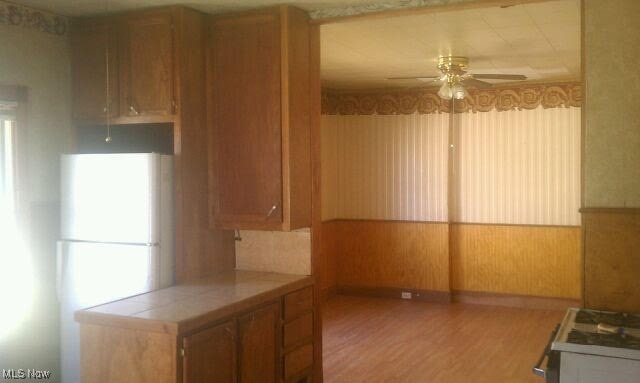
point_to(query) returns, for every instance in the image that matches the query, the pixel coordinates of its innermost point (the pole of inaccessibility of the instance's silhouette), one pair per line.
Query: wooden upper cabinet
(258, 120)
(210, 355)
(147, 65)
(89, 42)
(245, 89)
(143, 68)
(259, 345)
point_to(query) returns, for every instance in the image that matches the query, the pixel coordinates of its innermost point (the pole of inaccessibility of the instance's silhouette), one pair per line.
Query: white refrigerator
(117, 236)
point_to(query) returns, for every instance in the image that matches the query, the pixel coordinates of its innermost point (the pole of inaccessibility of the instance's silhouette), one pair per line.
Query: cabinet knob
(272, 210)
(133, 110)
(105, 109)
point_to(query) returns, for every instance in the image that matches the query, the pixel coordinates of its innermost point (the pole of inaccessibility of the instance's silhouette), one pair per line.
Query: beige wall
(612, 133)
(611, 155)
(39, 61)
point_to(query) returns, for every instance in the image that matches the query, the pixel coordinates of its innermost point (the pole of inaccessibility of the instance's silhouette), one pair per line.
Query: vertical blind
(385, 167)
(513, 167)
(518, 167)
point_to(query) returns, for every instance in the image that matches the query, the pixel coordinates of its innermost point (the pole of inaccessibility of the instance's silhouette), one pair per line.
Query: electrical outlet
(406, 295)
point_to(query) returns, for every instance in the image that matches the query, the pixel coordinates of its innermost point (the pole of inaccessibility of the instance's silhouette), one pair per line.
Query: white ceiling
(539, 40)
(92, 7)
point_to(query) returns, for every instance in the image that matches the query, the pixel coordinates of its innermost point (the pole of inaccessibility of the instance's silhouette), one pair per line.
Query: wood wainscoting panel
(327, 280)
(612, 260)
(541, 261)
(412, 255)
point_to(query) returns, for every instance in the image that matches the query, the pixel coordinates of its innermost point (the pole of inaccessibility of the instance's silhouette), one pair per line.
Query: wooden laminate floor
(391, 340)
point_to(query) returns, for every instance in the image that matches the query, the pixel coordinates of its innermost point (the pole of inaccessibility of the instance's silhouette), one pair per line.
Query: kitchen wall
(509, 224)
(37, 57)
(611, 206)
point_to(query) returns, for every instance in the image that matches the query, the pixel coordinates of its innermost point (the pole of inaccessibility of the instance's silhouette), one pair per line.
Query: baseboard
(394, 292)
(327, 293)
(512, 300)
(456, 296)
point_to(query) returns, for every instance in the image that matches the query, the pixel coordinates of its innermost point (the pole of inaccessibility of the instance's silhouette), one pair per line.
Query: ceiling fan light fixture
(445, 91)
(458, 92)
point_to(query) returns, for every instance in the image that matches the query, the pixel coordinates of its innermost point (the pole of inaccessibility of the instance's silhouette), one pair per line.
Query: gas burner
(613, 319)
(606, 340)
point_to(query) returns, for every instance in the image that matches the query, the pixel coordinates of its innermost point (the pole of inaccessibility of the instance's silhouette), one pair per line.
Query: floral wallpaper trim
(21, 16)
(426, 101)
(379, 7)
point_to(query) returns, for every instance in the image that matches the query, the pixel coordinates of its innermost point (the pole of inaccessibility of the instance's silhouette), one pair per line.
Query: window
(16, 283)
(12, 107)
(7, 154)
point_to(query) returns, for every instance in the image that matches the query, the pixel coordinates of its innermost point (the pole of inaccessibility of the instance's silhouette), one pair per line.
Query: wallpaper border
(389, 5)
(427, 101)
(21, 16)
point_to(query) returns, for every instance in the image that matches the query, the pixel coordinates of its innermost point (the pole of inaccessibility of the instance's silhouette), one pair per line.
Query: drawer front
(298, 361)
(298, 331)
(297, 303)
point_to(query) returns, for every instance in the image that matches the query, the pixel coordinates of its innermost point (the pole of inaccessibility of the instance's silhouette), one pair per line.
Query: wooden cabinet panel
(148, 64)
(259, 346)
(258, 115)
(298, 361)
(89, 42)
(298, 331)
(244, 118)
(210, 355)
(297, 303)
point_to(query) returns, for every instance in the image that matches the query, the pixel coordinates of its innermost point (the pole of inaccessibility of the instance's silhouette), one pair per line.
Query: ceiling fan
(455, 77)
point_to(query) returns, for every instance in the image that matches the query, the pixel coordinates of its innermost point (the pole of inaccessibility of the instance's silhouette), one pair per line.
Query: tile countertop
(181, 308)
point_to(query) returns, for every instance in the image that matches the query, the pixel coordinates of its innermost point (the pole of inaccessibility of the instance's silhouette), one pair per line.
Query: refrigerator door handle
(147, 244)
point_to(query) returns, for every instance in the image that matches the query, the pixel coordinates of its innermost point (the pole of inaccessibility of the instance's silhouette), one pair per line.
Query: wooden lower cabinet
(208, 355)
(259, 346)
(297, 363)
(256, 345)
(245, 349)
(297, 337)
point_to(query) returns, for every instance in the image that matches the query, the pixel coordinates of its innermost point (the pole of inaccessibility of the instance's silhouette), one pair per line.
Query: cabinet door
(244, 117)
(259, 349)
(148, 64)
(89, 42)
(210, 355)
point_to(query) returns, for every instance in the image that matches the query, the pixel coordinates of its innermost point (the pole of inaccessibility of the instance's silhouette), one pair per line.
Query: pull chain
(108, 106)
(106, 85)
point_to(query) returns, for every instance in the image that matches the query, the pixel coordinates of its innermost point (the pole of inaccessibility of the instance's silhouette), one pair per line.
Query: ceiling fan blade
(489, 76)
(415, 78)
(476, 83)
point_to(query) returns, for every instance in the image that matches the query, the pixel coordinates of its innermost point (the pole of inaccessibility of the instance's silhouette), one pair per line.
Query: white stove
(593, 347)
